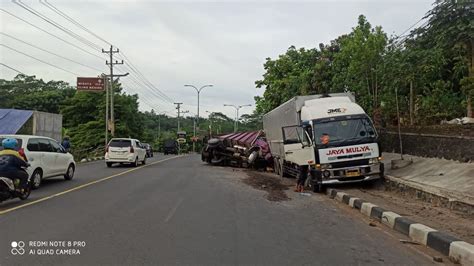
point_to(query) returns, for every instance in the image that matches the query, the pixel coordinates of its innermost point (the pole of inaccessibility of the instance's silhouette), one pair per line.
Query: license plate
(351, 173)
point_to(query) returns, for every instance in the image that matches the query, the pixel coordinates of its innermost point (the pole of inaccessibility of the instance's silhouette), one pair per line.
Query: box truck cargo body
(328, 135)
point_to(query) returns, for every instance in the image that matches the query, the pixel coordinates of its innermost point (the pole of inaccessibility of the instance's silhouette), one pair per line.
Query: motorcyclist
(12, 163)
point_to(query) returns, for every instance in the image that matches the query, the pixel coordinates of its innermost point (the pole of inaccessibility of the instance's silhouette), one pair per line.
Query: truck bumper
(346, 175)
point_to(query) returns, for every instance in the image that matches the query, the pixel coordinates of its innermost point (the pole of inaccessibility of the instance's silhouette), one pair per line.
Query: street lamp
(237, 107)
(198, 92)
(196, 120)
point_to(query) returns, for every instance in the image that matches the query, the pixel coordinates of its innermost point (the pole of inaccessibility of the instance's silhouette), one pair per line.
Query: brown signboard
(90, 84)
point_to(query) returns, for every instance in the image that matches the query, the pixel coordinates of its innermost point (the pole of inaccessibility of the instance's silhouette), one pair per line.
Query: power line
(42, 61)
(139, 91)
(141, 78)
(7, 66)
(55, 36)
(55, 24)
(142, 99)
(411, 27)
(402, 39)
(49, 52)
(148, 84)
(140, 83)
(135, 69)
(128, 63)
(64, 15)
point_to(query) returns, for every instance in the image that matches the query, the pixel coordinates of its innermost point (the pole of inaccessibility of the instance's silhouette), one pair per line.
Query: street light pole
(196, 119)
(237, 108)
(198, 92)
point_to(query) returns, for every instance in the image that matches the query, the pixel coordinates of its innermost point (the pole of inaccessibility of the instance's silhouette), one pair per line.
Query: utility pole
(412, 109)
(104, 76)
(111, 63)
(178, 107)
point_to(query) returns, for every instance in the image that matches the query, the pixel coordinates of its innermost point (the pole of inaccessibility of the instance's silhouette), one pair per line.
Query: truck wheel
(135, 164)
(109, 164)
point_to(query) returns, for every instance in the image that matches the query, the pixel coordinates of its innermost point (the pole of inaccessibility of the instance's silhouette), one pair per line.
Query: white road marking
(173, 210)
(83, 186)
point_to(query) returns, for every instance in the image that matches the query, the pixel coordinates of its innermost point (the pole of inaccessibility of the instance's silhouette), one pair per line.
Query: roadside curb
(458, 251)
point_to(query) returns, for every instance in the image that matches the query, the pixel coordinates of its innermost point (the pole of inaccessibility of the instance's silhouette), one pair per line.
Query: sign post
(90, 84)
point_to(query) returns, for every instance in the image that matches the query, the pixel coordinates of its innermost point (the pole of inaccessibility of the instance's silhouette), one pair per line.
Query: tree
(27, 92)
(451, 28)
(357, 64)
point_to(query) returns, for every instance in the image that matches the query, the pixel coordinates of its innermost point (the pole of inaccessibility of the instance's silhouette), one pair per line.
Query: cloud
(224, 43)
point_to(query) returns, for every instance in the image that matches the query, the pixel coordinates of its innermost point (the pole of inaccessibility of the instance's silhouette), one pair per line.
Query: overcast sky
(173, 43)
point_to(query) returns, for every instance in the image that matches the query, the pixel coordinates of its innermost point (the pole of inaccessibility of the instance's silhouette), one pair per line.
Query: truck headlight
(374, 160)
(325, 166)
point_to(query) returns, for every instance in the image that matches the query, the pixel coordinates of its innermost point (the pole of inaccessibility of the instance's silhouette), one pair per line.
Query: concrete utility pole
(178, 107)
(104, 76)
(237, 108)
(159, 123)
(111, 63)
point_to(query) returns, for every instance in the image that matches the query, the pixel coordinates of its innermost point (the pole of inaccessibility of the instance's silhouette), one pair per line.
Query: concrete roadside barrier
(458, 251)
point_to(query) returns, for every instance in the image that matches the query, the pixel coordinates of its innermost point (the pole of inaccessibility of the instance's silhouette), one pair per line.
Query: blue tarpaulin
(12, 120)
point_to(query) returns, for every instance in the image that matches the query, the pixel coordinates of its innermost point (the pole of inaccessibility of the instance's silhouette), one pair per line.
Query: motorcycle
(8, 189)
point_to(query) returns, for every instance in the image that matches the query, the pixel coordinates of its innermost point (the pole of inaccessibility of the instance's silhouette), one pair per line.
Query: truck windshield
(332, 132)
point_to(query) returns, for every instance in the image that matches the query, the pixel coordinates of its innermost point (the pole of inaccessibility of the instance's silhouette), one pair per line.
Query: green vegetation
(434, 60)
(431, 67)
(84, 113)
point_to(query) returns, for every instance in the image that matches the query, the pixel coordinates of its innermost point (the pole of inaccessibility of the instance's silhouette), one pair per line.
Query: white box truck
(328, 136)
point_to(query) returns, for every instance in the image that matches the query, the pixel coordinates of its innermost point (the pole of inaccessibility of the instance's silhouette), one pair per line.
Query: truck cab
(335, 141)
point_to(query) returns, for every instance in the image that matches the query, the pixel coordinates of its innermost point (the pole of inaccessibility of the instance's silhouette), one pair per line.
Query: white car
(46, 156)
(125, 150)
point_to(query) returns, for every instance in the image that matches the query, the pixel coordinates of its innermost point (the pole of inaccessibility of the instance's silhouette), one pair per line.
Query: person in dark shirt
(66, 144)
(12, 164)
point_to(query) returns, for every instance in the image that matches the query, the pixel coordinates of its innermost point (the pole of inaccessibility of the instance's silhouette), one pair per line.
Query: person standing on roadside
(66, 144)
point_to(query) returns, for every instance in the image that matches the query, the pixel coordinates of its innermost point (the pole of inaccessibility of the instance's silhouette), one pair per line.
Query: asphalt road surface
(177, 210)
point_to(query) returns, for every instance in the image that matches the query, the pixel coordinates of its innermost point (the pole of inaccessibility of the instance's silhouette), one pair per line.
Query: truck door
(298, 146)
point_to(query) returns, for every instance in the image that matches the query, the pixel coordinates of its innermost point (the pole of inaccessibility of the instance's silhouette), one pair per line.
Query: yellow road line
(82, 186)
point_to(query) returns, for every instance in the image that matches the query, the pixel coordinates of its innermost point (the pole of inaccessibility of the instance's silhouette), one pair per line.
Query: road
(181, 211)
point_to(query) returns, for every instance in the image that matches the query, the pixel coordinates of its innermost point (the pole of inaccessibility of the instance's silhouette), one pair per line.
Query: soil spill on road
(264, 181)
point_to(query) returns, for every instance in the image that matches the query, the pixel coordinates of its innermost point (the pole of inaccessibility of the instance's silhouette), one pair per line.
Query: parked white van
(125, 150)
(46, 157)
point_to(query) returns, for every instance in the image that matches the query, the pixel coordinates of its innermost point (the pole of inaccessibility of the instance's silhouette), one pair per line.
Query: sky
(173, 43)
